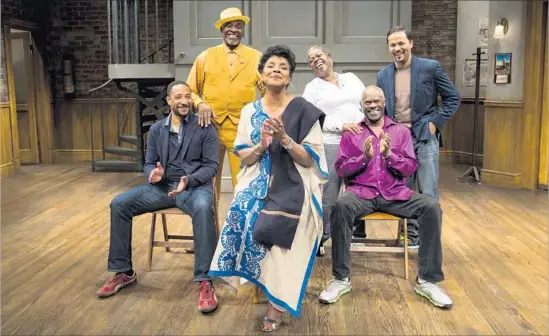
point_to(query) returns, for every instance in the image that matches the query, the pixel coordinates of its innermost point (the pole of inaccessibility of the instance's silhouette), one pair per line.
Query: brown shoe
(115, 284)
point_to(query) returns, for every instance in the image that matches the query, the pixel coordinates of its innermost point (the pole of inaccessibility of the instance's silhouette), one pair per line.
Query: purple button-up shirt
(374, 177)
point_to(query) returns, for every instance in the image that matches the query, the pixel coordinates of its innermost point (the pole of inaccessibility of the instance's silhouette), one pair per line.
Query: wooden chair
(187, 241)
(390, 245)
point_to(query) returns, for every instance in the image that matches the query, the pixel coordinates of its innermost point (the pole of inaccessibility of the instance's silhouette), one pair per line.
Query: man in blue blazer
(180, 163)
(412, 86)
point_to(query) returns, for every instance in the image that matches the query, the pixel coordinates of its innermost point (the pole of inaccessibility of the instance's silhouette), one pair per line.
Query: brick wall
(80, 27)
(434, 31)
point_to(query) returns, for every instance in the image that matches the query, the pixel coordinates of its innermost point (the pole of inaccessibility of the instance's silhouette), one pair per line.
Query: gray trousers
(424, 209)
(331, 188)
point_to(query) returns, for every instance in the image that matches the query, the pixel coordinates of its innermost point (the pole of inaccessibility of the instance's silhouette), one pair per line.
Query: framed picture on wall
(502, 68)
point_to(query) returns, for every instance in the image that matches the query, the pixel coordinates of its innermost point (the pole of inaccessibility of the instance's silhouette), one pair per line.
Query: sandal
(270, 324)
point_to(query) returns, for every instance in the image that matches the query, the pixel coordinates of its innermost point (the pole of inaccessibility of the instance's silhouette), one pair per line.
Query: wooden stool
(391, 245)
(188, 241)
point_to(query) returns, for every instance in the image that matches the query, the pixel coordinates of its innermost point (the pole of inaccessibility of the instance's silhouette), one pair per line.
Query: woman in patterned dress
(274, 224)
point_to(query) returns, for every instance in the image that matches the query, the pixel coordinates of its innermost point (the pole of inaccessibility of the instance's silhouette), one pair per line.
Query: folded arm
(152, 156)
(349, 158)
(402, 157)
(449, 94)
(195, 80)
(210, 159)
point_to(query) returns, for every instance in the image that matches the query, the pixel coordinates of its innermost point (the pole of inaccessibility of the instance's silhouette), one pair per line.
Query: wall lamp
(501, 28)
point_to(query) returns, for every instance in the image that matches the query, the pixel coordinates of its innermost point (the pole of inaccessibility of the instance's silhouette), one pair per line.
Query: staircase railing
(125, 32)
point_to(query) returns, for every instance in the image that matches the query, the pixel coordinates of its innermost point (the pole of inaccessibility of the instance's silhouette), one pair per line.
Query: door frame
(30, 156)
(543, 163)
(43, 106)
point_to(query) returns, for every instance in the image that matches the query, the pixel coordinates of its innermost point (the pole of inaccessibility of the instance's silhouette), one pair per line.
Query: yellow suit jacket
(225, 91)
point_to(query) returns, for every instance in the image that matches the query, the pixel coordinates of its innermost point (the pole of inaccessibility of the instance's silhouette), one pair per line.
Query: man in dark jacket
(181, 161)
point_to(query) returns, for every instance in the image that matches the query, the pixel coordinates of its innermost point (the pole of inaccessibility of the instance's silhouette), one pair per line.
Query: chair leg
(151, 240)
(165, 230)
(405, 227)
(256, 294)
(400, 229)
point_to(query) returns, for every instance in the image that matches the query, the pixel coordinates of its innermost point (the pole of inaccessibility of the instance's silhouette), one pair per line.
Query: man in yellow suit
(224, 79)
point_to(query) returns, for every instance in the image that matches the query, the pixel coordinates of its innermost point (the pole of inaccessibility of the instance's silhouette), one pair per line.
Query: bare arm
(249, 156)
(297, 152)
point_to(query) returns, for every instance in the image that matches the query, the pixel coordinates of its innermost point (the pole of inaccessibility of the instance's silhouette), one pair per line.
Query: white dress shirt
(340, 104)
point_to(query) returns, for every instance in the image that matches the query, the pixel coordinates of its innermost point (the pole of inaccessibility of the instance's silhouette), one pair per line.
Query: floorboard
(55, 231)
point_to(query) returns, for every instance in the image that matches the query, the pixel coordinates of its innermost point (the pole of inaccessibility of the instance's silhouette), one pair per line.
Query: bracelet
(290, 145)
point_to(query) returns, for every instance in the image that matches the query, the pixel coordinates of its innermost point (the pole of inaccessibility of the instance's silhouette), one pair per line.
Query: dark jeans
(424, 209)
(198, 204)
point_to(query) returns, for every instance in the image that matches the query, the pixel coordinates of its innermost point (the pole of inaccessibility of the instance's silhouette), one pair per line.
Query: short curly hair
(279, 50)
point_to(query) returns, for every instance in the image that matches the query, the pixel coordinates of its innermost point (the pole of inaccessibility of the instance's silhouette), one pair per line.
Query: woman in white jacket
(338, 95)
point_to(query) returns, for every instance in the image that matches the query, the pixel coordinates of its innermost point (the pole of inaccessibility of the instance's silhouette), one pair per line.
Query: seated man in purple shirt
(375, 165)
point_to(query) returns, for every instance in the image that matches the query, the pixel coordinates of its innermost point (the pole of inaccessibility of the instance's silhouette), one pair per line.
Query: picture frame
(502, 68)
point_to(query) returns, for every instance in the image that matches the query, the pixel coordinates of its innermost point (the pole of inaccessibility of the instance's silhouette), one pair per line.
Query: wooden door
(354, 31)
(23, 72)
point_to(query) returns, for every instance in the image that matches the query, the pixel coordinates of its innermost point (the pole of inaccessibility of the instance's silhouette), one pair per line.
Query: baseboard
(501, 179)
(446, 156)
(7, 169)
(82, 155)
(467, 158)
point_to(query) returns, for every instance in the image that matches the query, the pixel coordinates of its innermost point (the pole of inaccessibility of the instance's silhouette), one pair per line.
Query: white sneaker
(336, 288)
(433, 293)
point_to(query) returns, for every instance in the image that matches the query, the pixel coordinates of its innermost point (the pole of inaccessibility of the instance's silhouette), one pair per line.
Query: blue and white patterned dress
(282, 274)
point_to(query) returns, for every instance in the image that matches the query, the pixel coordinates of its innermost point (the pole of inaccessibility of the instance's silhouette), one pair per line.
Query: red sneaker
(207, 301)
(115, 284)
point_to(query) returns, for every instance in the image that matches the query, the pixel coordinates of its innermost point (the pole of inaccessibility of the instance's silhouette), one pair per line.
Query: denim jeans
(331, 188)
(425, 179)
(197, 203)
(424, 209)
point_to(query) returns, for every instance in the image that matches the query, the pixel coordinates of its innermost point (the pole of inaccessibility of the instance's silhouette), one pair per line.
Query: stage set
(82, 83)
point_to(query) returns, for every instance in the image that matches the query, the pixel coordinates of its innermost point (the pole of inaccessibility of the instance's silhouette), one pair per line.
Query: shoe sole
(129, 284)
(422, 294)
(336, 298)
(209, 310)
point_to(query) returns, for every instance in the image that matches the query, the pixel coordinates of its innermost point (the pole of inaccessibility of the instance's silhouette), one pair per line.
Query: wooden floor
(55, 233)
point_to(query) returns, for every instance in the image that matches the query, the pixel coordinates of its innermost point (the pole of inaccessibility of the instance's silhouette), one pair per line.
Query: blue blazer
(427, 81)
(200, 149)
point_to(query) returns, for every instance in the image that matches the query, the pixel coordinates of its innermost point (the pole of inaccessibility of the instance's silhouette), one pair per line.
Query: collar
(409, 66)
(387, 122)
(169, 119)
(236, 50)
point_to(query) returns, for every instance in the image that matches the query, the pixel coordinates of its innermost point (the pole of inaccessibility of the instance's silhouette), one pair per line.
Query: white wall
(469, 13)
(514, 42)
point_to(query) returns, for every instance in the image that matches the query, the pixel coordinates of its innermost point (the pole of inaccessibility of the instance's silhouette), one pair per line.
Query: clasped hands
(156, 176)
(384, 146)
(272, 129)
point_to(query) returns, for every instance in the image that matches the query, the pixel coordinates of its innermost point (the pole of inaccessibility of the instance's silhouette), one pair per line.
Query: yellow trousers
(226, 131)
